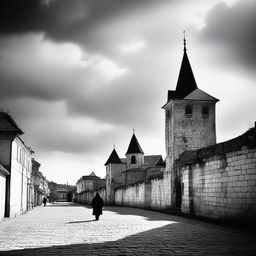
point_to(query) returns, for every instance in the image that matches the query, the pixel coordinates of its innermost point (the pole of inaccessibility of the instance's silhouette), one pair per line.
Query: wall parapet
(242, 142)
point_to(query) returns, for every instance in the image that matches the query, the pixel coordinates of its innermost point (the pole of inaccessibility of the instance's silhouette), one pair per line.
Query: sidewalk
(70, 229)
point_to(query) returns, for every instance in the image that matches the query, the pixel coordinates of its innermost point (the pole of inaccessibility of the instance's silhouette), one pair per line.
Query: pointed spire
(113, 158)
(134, 146)
(186, 80)
(184, 41)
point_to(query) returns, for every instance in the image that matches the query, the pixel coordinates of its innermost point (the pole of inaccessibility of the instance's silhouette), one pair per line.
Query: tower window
(205, 112)
(188, 110)
(133, 160)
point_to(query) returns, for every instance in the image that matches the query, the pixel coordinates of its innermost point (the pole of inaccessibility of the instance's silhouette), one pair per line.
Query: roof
(186, 80)
(3, 170)
(186, 87)
(153, 160)
(7, 124)
(200, 95)
(113, 158)
(35, 163)
(92, 176)
(134, 146)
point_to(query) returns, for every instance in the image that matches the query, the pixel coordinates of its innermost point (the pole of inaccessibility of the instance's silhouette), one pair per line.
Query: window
(205, 111)
(188, 110)
(133, 160)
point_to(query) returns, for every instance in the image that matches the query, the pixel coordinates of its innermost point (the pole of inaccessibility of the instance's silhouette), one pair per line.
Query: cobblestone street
(70, 229)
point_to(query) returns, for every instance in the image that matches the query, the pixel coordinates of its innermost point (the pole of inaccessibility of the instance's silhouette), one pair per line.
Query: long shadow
(146, 213)
(80, 221)
(172, 239)
(153, 215)
(65, 204)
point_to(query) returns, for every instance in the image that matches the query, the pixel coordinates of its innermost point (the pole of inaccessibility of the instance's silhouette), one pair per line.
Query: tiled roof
(89, 177)
(134, 146)
(7, 124)
(113, 158)
(152, 160)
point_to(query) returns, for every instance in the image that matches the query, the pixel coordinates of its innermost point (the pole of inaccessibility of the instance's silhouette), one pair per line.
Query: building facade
(3, 176)
(17, 179)
(40, 184)
(16, 158)
(132, 169)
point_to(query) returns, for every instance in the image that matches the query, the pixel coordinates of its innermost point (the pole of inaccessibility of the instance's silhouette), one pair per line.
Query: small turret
(134, 154)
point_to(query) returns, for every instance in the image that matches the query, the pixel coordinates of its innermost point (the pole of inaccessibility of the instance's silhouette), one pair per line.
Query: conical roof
(134, 146)
(186, 80)
(113, 158)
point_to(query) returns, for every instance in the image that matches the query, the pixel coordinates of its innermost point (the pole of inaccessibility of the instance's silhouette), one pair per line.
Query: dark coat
(97, 204)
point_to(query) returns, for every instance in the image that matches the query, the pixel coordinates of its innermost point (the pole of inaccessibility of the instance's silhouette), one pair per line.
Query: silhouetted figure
(97, 204)
(44, 201)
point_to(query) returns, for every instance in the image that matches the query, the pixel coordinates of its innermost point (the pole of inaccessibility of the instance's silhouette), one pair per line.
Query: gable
(198, 94)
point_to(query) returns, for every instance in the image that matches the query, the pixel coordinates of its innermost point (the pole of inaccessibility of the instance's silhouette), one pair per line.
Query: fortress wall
(221, 183)
(153, 193)
(86, 197)
(161, 192)
(137, 195)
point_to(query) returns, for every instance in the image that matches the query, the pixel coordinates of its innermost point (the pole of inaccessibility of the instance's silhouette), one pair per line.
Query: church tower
(189, 117)
(114, 168)
(134, 154)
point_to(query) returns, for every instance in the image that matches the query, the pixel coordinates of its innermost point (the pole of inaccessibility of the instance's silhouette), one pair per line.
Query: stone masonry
(220, 183)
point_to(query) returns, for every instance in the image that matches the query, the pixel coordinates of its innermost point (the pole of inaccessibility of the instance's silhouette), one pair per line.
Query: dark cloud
(65, 20)
(125, 100)
(233, 27)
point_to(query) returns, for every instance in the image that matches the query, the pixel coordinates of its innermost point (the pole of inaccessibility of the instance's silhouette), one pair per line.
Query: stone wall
(220, 181)
(154, 192)
(137, 195)
(86, 197)
(161, 192)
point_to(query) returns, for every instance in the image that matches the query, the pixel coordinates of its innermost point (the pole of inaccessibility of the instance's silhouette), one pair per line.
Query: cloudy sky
(78, 76)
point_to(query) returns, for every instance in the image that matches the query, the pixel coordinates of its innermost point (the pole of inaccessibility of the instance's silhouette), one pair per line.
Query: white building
(16, 158)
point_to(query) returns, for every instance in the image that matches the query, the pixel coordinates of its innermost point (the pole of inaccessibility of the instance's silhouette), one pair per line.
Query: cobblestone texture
(70, 229)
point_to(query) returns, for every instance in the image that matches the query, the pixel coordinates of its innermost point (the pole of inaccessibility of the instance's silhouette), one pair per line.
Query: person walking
(97, 204)
(44, 201)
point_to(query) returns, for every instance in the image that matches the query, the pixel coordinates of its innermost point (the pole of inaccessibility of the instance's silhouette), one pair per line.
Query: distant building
(134, 168)
(53, 196)
(40, 183)
(89, 183)
(61, 192)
